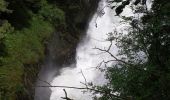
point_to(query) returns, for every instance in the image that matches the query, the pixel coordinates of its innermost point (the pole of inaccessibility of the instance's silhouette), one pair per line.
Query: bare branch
(81, 88)
(109, 61)
(66, 95)
(86, 83)
(119, 60)
(99, 65)
(84, 76)
(111, 42)
(100, 12)
(44, 81)
(87, 88)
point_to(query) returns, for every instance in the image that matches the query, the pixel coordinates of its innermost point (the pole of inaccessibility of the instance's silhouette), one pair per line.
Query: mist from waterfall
(87, 57)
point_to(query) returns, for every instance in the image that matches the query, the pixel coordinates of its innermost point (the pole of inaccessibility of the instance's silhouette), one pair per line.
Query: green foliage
(52, 13)
(4, 29)
(23, 47)
(23, 30)
(29, 39)
(3, 6)
(146, 51)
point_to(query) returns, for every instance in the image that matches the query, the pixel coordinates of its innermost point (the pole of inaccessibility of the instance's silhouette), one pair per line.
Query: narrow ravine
(87, 58)
(103, 22)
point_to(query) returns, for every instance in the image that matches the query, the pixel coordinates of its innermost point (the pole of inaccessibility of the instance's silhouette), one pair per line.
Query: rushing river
(87, 58)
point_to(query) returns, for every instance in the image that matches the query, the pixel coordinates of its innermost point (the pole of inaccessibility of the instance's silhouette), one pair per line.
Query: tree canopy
(143, 73)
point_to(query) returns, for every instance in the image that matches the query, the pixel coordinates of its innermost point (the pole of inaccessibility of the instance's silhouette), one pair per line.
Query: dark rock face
(88, 8)
(61, 48)
(77, 21)
(77, 13)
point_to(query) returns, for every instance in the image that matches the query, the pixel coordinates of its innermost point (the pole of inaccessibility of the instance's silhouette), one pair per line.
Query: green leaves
(4, 29)
(3, 6)
(146, 47)
(26, 45)
(23, 47)
(22, 36)
(52, 13)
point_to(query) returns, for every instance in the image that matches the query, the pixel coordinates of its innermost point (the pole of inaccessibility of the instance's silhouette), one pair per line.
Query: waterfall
(87, 57)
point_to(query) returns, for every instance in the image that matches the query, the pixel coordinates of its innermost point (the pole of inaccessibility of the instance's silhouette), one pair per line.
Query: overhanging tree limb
(86, 88)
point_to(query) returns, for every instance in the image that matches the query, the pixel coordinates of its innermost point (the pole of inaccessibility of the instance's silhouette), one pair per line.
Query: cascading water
(87, 57)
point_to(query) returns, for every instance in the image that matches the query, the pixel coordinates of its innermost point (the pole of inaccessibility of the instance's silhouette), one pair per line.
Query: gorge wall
(61, 47)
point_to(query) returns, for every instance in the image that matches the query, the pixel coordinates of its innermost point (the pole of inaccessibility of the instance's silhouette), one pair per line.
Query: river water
(87, 57)
(103, 22)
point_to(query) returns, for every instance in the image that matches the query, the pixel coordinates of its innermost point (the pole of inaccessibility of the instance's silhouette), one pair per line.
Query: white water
(87, 57)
